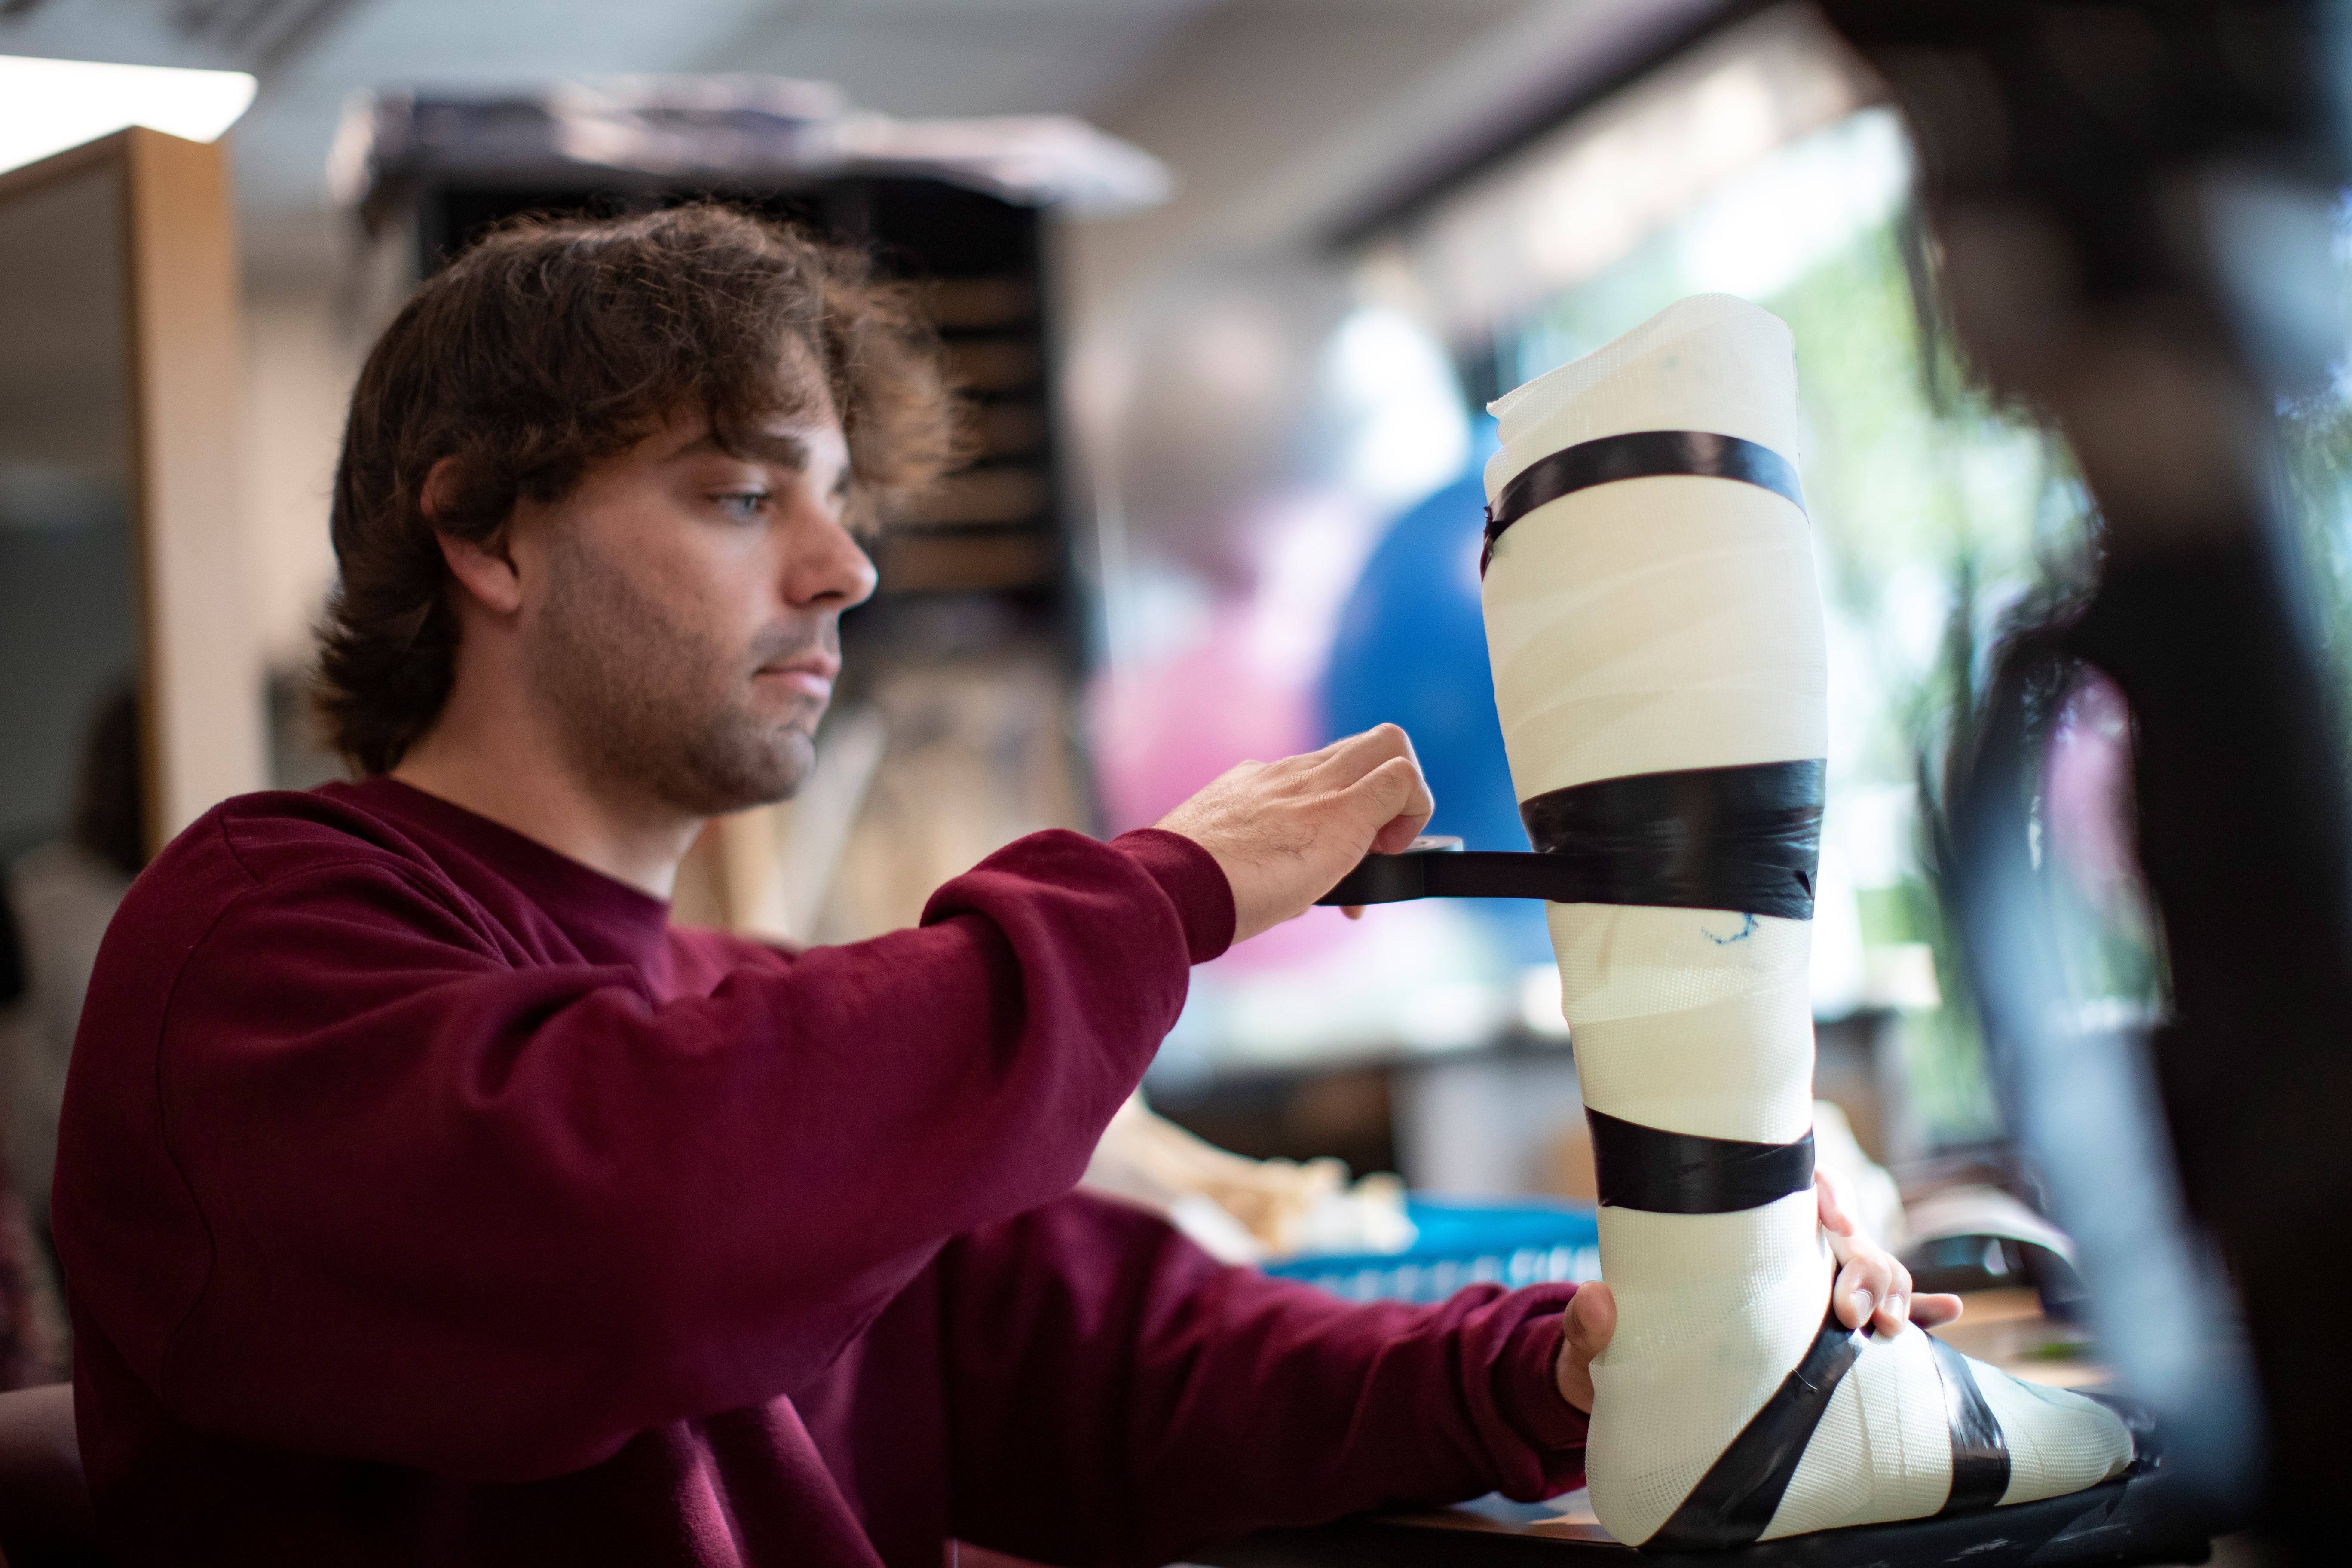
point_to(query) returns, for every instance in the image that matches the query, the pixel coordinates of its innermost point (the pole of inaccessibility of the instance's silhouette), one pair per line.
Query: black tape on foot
(1980, 1448)
(1734, 1502)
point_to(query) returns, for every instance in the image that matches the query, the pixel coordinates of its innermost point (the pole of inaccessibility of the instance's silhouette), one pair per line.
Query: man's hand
(1871, 1286)
(1285, 832)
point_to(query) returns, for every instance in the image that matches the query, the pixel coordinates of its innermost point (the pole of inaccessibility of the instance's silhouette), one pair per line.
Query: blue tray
(1463, 1242)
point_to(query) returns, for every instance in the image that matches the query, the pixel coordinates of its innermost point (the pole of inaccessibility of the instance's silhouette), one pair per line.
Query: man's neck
(515, 779)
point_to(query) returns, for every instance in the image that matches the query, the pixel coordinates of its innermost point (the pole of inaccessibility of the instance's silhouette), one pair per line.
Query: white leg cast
(1669, 624)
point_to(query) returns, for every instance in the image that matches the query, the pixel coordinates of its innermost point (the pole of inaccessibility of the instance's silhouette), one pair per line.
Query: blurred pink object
(2089, 809)
(1163, 731)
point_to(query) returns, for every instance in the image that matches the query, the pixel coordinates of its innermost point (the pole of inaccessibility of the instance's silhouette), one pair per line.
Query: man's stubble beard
(630, 683)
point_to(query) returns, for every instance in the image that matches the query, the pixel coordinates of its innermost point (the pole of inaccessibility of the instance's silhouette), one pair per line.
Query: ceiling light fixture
(47, 106)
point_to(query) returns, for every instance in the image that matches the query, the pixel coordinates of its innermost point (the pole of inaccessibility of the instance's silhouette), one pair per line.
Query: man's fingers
(1933, 1311)
(1872, 1285)
(1896, 1310)
(1836, 1218)
(1863, 1288)
(1350, 757)
(1890, 1283)
(1399, 797)
(1854, 1299)
(1353, 756)
(1397, 836)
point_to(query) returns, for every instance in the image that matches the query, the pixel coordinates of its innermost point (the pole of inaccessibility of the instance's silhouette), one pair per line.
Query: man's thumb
(1591, 1320)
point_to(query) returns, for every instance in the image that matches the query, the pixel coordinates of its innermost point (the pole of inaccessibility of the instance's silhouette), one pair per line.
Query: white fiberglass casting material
(1657, 616)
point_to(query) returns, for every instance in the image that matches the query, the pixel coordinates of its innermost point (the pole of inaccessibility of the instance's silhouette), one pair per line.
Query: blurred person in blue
(1266, 445)
(1411, 649)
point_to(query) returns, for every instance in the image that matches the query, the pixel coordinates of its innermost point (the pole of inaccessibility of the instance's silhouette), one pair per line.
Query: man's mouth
(811, 675)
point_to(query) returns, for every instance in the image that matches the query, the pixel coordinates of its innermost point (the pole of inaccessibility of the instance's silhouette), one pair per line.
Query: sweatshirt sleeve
(375, 1190)
(1116, 1396)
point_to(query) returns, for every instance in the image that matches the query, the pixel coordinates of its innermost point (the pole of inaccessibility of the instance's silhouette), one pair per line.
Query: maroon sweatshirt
(426, 1196)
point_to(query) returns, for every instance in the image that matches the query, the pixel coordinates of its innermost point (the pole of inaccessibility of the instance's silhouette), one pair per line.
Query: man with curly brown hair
(426, 1196)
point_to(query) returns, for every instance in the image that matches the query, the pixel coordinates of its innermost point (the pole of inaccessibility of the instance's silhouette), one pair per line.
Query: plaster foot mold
(1656, 642)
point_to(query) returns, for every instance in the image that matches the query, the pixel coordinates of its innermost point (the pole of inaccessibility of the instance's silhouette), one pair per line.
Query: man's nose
(826, 568)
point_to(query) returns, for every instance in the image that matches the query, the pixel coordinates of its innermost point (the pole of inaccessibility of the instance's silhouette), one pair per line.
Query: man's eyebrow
(758, 446)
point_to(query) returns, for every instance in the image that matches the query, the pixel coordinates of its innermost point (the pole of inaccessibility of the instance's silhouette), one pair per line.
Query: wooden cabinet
(121, 557)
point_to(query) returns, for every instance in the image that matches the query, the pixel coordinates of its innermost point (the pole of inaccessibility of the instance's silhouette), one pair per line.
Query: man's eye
(743, 505)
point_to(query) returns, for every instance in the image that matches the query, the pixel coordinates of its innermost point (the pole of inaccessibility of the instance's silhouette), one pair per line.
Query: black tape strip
(1980, 1449)
(1746, 839)
(1737, 1498)
(1639, 455)
(1742, 839)
(1644, 1168)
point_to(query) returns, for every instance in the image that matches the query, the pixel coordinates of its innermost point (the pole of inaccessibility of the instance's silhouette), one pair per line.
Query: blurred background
(1229, 324)
(1228, 283)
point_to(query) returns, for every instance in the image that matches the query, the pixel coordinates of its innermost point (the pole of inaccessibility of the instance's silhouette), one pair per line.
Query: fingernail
(1900, 1306)
(1862, 1306)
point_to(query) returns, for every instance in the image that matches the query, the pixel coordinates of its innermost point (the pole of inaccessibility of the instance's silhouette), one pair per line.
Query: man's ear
(483, 568)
